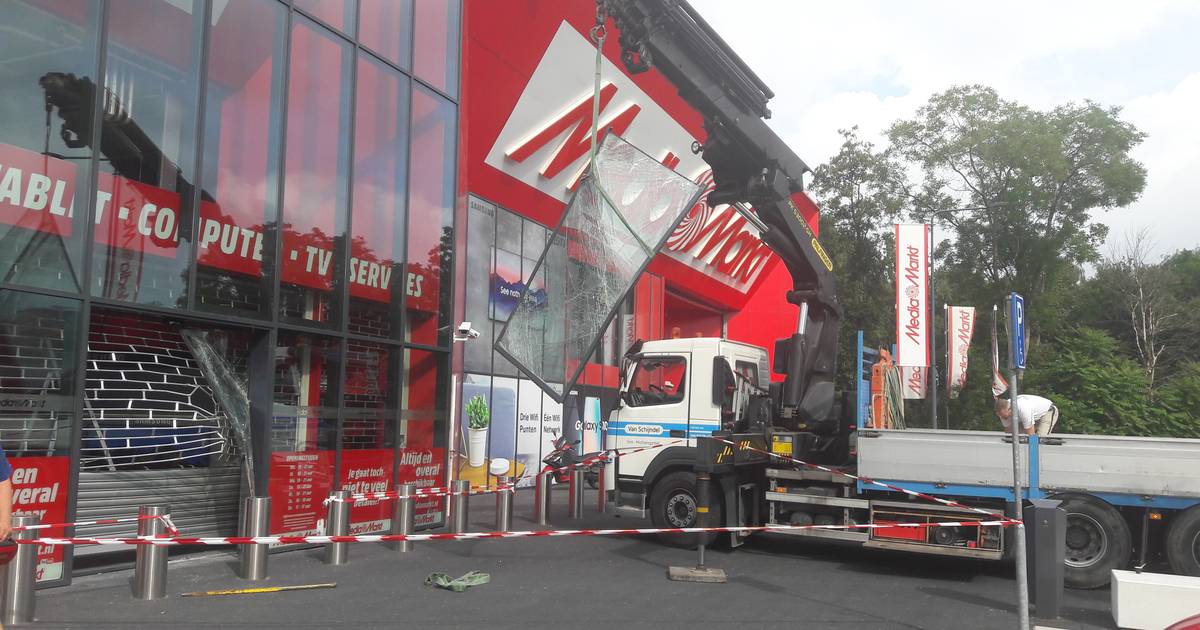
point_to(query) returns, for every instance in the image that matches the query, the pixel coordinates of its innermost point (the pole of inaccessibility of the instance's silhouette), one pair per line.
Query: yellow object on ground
(262, 589)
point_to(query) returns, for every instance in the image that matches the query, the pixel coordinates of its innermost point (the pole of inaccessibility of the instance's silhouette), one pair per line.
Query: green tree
(860, 196)
(1050, 169)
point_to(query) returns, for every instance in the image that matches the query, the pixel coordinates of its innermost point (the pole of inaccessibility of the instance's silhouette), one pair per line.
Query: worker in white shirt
(1036, 414)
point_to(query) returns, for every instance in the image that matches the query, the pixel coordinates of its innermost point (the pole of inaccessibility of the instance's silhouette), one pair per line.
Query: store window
(146, 187)
(242, 140)
(47, 81)
(336, 13)
(423, 417)
(371, 396)
(430, 212)
(303, 430)
(312, 270)
(385, 26)
(38, 340)
(658, 380)
(377, 279)
(436, 49)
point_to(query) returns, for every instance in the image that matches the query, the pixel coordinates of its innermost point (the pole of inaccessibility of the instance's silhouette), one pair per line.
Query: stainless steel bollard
(150, 565)
(256, 519)
(20, 576)
(403, 515)
(504, 504)
(459, 505)
(600, 482)
(575, 494)
(337, 523)
(541, 497)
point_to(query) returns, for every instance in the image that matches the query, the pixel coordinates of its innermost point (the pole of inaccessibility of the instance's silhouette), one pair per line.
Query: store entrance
(164, 410)
(683, 318)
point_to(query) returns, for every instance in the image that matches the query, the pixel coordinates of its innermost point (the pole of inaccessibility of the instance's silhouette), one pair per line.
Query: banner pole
(1014, 422)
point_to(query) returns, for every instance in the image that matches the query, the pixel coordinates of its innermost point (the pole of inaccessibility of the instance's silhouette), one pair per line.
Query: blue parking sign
(1016, 319)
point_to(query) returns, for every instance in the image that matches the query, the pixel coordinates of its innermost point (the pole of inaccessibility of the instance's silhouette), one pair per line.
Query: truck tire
(673, 504)
(1098, 541)
(1183, 543)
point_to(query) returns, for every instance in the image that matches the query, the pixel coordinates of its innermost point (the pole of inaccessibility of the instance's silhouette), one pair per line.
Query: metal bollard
(150, 564)
(459, 505)
(1046, 540)
(575, 494)
(541, 498)
(403, 516)
(337, 523)
(504, 504)
(600, 491)
(20, 576)
(256, 519)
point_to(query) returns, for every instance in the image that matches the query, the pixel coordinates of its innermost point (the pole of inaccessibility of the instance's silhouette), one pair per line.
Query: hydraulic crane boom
(751, 165)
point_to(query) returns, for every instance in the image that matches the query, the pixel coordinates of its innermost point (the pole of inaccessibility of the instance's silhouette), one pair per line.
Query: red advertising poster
(424, 467)
(299, 484)
(40, 488)
(368, 471)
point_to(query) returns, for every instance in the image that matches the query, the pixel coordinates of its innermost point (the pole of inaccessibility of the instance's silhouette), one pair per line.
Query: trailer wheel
(1183, 543)
(1098, 541)
(673, 504)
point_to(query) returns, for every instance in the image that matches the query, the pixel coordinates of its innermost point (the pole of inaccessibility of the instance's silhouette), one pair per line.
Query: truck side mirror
(723, 383)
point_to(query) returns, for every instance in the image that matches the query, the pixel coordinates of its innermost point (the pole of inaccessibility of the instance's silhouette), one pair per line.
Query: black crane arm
(751, 165)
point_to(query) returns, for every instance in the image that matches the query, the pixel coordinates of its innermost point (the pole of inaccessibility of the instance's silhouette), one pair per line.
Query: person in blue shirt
(6, 496)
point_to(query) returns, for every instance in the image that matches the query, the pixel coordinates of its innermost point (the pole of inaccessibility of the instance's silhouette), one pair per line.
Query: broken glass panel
(616, 222)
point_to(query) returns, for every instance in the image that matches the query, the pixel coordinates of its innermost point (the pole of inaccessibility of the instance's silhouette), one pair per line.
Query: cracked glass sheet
(614, 225)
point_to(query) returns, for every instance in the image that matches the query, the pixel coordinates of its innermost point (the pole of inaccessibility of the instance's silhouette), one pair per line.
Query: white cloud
(836, 65)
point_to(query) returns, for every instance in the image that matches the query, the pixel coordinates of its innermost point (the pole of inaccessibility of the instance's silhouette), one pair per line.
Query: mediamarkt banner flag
(960, 325)
(913, 382)
(912, 294)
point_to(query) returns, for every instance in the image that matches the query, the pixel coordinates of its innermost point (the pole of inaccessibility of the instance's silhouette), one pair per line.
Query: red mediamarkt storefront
(528, 72)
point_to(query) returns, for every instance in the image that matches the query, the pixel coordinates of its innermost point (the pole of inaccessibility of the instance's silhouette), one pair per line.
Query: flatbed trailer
(1117, 491)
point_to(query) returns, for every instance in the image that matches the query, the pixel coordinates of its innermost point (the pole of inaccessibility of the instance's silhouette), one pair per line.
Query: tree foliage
(1042, 179)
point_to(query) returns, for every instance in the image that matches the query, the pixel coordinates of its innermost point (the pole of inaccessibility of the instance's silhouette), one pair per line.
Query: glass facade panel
(431, 210)
(306, 392)
(370, 396)
(242, 150)
(315, 171)
(423, 400)
(377, 278)
(385, 26)
(38, 357)
(147, 178)
(47, 81)
(436, 49)
(336, 13)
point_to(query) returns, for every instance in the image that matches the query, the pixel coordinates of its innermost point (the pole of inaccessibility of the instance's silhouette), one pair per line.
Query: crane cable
(597, 35)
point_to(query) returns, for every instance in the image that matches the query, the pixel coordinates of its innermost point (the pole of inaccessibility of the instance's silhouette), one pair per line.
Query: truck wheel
(673, 504)
(1098, 541)
(1183, 543)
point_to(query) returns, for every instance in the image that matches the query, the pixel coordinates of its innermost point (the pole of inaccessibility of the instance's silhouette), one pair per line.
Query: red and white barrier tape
(481, 489)
(166, 519)
(367, 538)
(867, 480)
(615, 453)
(418, 493)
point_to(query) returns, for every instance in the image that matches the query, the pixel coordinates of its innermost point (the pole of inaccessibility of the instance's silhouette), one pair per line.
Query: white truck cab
(669, 397)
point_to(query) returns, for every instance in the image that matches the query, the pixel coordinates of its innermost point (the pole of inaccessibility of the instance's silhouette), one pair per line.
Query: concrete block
(1153, 601)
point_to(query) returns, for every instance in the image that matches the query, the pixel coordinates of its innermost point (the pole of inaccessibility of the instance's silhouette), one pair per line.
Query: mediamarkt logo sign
(545, 143)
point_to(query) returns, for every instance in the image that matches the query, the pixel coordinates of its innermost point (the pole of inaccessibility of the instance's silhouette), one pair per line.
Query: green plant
(478, 416)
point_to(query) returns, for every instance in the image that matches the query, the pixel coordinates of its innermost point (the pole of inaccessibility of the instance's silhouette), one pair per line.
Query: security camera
(465, 332)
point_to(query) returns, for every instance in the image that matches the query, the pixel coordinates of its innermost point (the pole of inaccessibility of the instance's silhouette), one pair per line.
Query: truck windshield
(658, 381)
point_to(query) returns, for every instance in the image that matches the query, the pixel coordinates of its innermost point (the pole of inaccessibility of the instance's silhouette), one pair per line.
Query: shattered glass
(618, 219)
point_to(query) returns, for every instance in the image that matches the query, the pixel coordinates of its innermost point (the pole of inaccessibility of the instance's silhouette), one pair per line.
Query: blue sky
(836, 65)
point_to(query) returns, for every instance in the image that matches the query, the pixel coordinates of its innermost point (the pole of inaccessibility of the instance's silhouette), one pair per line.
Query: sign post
(1016, 339)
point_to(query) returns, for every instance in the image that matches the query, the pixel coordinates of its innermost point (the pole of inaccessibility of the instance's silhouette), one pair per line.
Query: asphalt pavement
(574, 582)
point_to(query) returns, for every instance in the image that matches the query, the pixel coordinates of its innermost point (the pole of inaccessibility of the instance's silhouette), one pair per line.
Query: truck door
(654, 407)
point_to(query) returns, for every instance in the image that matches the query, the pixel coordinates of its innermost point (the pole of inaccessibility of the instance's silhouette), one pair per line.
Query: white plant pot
(476, 446)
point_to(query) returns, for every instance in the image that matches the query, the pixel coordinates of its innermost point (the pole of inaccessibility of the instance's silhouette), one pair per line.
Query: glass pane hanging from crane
(617, 220)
